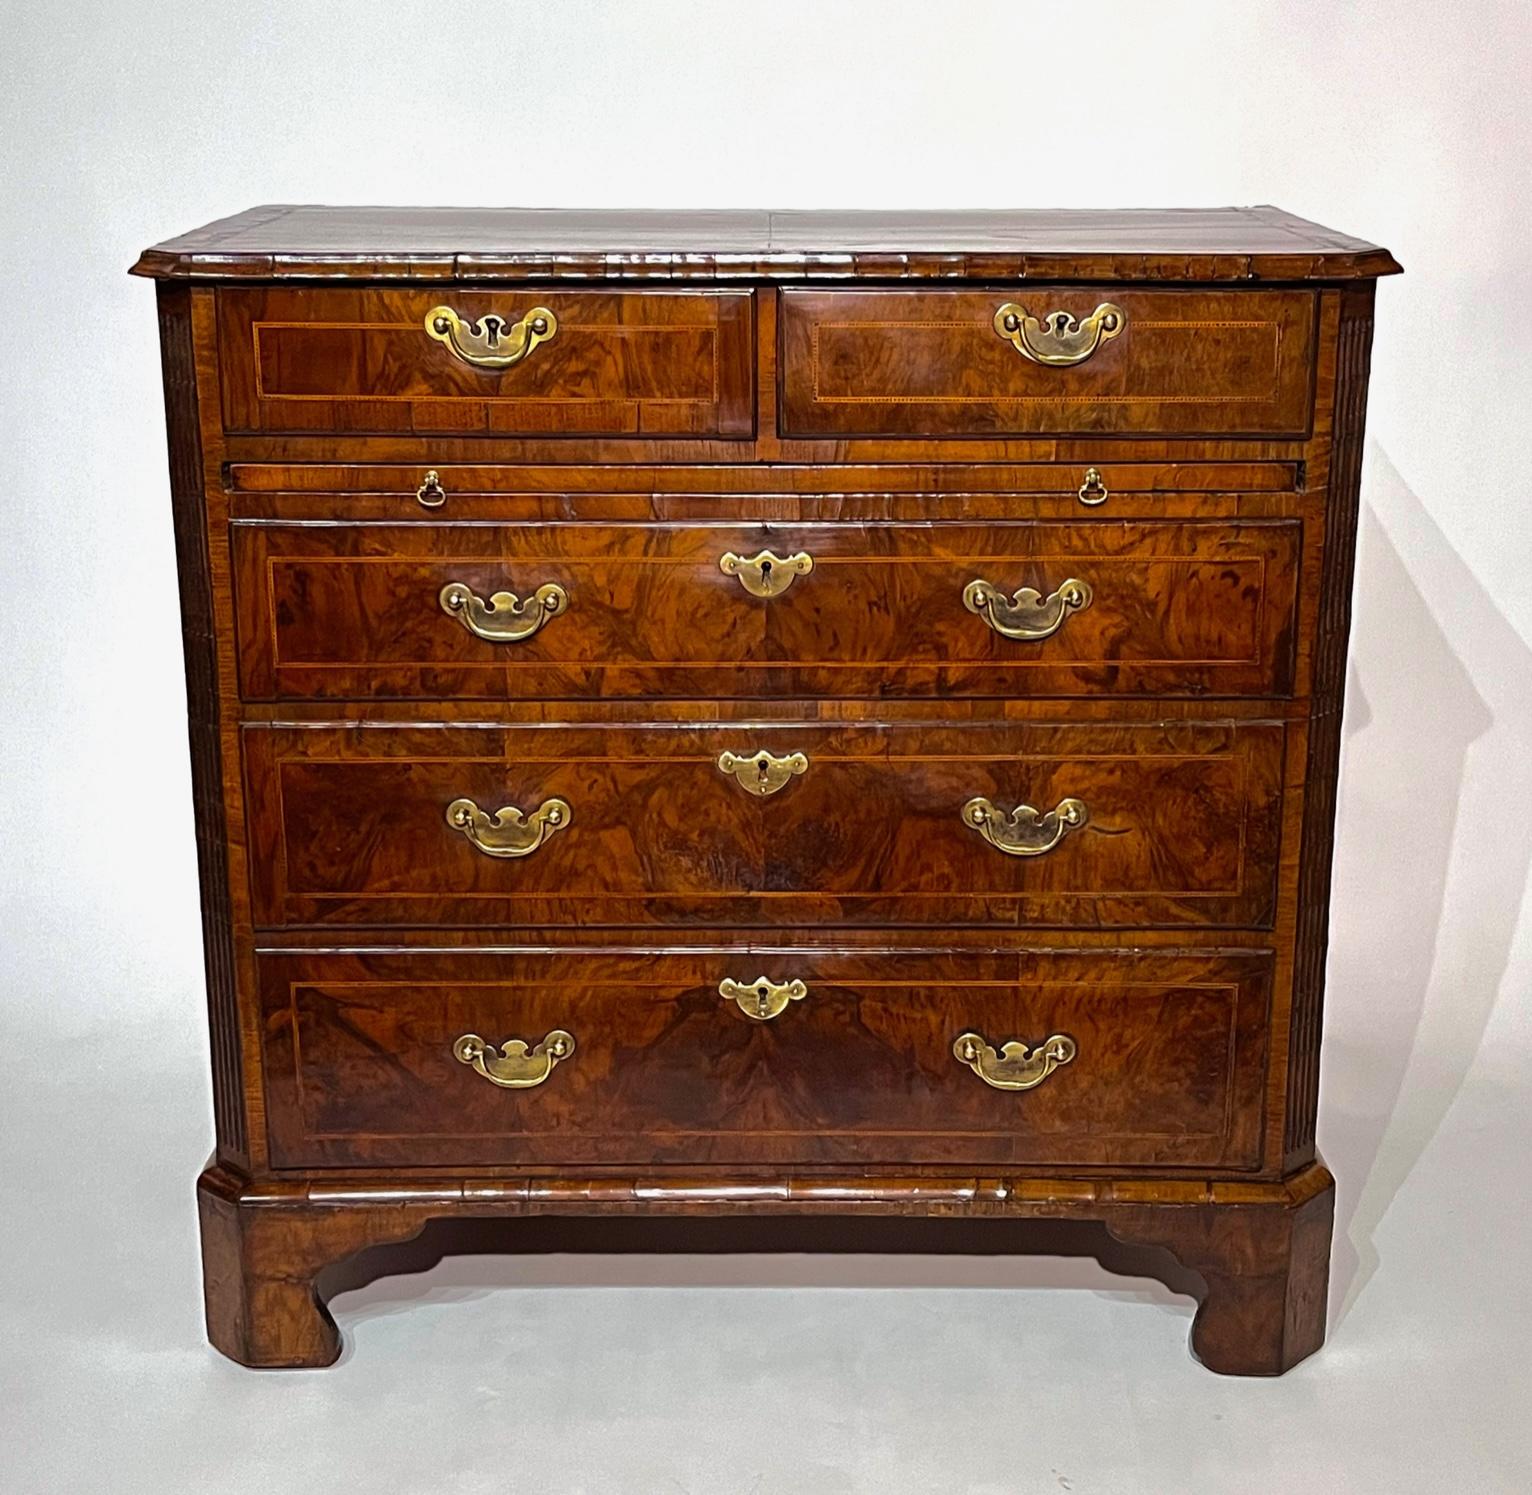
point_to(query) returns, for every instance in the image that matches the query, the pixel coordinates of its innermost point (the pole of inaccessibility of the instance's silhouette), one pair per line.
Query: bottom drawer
(874, 1056)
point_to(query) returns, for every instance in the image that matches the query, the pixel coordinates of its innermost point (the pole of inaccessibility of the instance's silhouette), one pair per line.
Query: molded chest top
(285, 242)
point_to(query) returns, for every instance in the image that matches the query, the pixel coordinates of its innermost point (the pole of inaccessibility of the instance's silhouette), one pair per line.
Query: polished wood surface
(1183, 825)
(735, 390)
(665, 1071)
(1260, 1251)
(931, 363)
(650, 363)
(341, 612)
(307, 241)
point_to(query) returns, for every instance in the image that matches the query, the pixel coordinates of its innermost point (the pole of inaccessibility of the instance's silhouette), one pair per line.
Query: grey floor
(747, 1374)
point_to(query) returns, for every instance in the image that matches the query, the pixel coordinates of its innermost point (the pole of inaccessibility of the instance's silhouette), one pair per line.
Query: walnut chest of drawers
(766, 715)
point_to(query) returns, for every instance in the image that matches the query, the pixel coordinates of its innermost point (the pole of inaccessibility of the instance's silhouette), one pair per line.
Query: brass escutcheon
(762, 773)
(761, 999)
(766, 575)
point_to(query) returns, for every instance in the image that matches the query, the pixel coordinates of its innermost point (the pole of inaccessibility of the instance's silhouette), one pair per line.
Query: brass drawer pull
(505, 618)
(1015, 1067)
(430, 494)
(506, 833)
(762, 773)
(515, 1067)
(1093, 490)
(1025, 832)
(762, 999)
(491, 342)
(1027, 614)
(766, 575)
(1057, 340)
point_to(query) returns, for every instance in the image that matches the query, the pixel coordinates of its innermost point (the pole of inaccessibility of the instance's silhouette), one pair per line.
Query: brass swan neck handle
(492, 342)
(505, 618)
(1056, 339)
(517, 1066)
(1027, 614)
(1025, 832)
(1015, 1067)
(507, 833)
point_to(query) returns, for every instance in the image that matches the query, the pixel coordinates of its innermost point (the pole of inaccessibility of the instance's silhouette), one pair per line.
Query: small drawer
(832, 610)
(1096, 360)
(746, 1056)
(535, 824)
(503, 362)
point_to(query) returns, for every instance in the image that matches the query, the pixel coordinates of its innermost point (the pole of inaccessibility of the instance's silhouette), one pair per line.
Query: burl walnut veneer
(745, 714)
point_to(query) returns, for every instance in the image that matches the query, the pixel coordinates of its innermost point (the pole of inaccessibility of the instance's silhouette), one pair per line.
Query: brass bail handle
(493, 341)
(518, 1065)
(1025, 832)
(1015, 1066)
(1056, 339)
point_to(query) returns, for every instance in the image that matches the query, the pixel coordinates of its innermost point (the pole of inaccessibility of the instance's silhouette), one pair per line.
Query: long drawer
(1047, 360)
(825, 609)
(492, 362)
(531, 824)
(744, 1055)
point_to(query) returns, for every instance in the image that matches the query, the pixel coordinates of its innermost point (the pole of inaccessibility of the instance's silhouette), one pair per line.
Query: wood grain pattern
(665, 1071)
(1261, 1250)
(1332, 632)
(824, 382)
(351, 825)
(199, 644)
(652, 363)
(352, 612)
(310, 242)
(930, 363)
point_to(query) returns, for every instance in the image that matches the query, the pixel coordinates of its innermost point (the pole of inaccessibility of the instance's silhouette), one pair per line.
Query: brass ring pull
(1093, 490)
(766, 575)
(1025, 832)
(507, 833)
(430, 494)
(762, 773)
(505, 618)
(491, 342)
(761, 999)
(515, 1067)
(1058, 340)
(1027, 614)
(1015, 1067)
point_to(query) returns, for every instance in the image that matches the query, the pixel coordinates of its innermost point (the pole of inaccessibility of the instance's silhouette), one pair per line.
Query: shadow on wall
(1430, 866)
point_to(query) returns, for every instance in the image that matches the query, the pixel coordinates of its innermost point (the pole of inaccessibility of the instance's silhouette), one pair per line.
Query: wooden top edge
(315, 243)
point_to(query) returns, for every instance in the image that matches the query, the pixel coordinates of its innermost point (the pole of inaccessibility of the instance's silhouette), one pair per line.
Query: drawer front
(358, 611)
(935, 363)
(1128, 1060)
(617, 363)
(1128, 825)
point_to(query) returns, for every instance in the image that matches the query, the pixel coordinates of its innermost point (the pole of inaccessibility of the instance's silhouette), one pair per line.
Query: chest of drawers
(744, 715)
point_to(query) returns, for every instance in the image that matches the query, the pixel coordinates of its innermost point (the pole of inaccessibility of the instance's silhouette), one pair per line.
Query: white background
(1405, 122)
